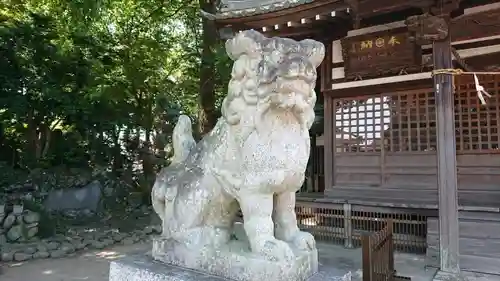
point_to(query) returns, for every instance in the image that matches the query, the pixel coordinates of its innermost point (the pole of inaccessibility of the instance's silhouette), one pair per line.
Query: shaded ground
(89, 266)
(336, 261)
(94, 265)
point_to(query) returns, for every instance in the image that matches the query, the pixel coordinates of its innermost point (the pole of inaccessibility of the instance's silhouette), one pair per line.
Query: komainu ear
(245, 43)
(314, 50)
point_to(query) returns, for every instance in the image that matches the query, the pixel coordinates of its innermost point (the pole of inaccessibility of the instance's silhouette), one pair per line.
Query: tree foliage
(100, 83)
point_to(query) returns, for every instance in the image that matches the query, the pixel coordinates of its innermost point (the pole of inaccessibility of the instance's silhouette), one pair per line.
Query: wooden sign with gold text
(375, 54)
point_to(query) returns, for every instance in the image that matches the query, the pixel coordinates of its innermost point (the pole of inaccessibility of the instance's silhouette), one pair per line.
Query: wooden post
(446, 158)
(329, 141)
(329, 122)
(366, 248)
(348, 226)
(312, 166)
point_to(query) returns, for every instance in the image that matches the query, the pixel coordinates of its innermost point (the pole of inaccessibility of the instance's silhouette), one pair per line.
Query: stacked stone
(3, 239)
(62, 246)
(18, 225)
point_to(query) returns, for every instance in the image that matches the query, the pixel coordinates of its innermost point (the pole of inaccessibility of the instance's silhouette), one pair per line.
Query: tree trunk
(207, 115)
(32, 135)
(117, 166)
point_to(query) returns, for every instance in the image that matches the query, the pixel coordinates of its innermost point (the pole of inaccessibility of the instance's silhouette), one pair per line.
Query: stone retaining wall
(17, 224)
(61, 246)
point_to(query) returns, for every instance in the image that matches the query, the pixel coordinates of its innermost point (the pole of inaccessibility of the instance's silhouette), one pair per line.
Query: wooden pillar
(329, 141)
(446, 159)
(329, 114)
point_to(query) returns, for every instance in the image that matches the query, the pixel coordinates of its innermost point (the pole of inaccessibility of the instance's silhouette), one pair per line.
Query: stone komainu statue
(254, 159)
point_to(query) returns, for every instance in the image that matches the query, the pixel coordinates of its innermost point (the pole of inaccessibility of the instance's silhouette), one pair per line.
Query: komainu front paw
(275, 250)
(303, 241)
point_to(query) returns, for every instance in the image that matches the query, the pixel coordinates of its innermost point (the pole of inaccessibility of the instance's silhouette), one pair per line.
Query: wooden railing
(345, 224)
(378, 255)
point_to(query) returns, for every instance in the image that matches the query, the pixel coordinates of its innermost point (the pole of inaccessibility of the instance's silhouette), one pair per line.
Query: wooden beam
(383, 80)
(362, 90)
(446, 158)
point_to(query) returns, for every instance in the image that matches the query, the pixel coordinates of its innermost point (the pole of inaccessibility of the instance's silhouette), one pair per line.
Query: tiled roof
(244, 8)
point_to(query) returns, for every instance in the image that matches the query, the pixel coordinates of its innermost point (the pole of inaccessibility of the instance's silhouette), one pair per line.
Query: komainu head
(272, 74)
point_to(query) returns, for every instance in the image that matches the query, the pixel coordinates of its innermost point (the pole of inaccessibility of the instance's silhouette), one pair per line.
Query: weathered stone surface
(22, 256)
(80, 246)
(53, 245)
(107, 242)
(42, 247)
(14, 233)
(17, 209)
(258, 151)
(118, 237)
(67, 248)
(29, 250)
(98, 244)
(87, 197)
(8, 256)
(143, 268)
(86, 242)
(31, 217)
(9, 221)
(41, 255)
(57, 254)
(235, 261)
(128, 241)
(255, 159)
(148, 229)
(31, 232)
(157, 228)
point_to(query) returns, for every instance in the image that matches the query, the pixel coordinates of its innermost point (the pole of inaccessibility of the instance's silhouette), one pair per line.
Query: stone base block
(235, 261)
(143, 268)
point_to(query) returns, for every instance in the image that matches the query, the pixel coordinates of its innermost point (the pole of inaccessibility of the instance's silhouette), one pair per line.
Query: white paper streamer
(480, 91)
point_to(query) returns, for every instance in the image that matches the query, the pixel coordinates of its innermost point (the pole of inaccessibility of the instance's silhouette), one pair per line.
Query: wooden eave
(364, 10)
(486, 62)
(293, 14)
(321, 30)
(370, 8)
(483, 23)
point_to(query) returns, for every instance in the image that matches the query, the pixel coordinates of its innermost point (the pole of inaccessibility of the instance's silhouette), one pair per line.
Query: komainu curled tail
(183, 143)
(182, 139)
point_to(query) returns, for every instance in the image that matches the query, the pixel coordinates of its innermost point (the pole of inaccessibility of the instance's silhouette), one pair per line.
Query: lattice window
(406, 122)
(400, 121)
(477, 125)
(360, 124)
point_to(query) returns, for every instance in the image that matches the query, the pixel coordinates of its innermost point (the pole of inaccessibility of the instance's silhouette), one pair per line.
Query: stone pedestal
(235, 261)
(143, 268)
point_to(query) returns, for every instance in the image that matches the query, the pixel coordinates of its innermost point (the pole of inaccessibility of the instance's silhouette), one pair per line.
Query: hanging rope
(457, 71)
(481, 92)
